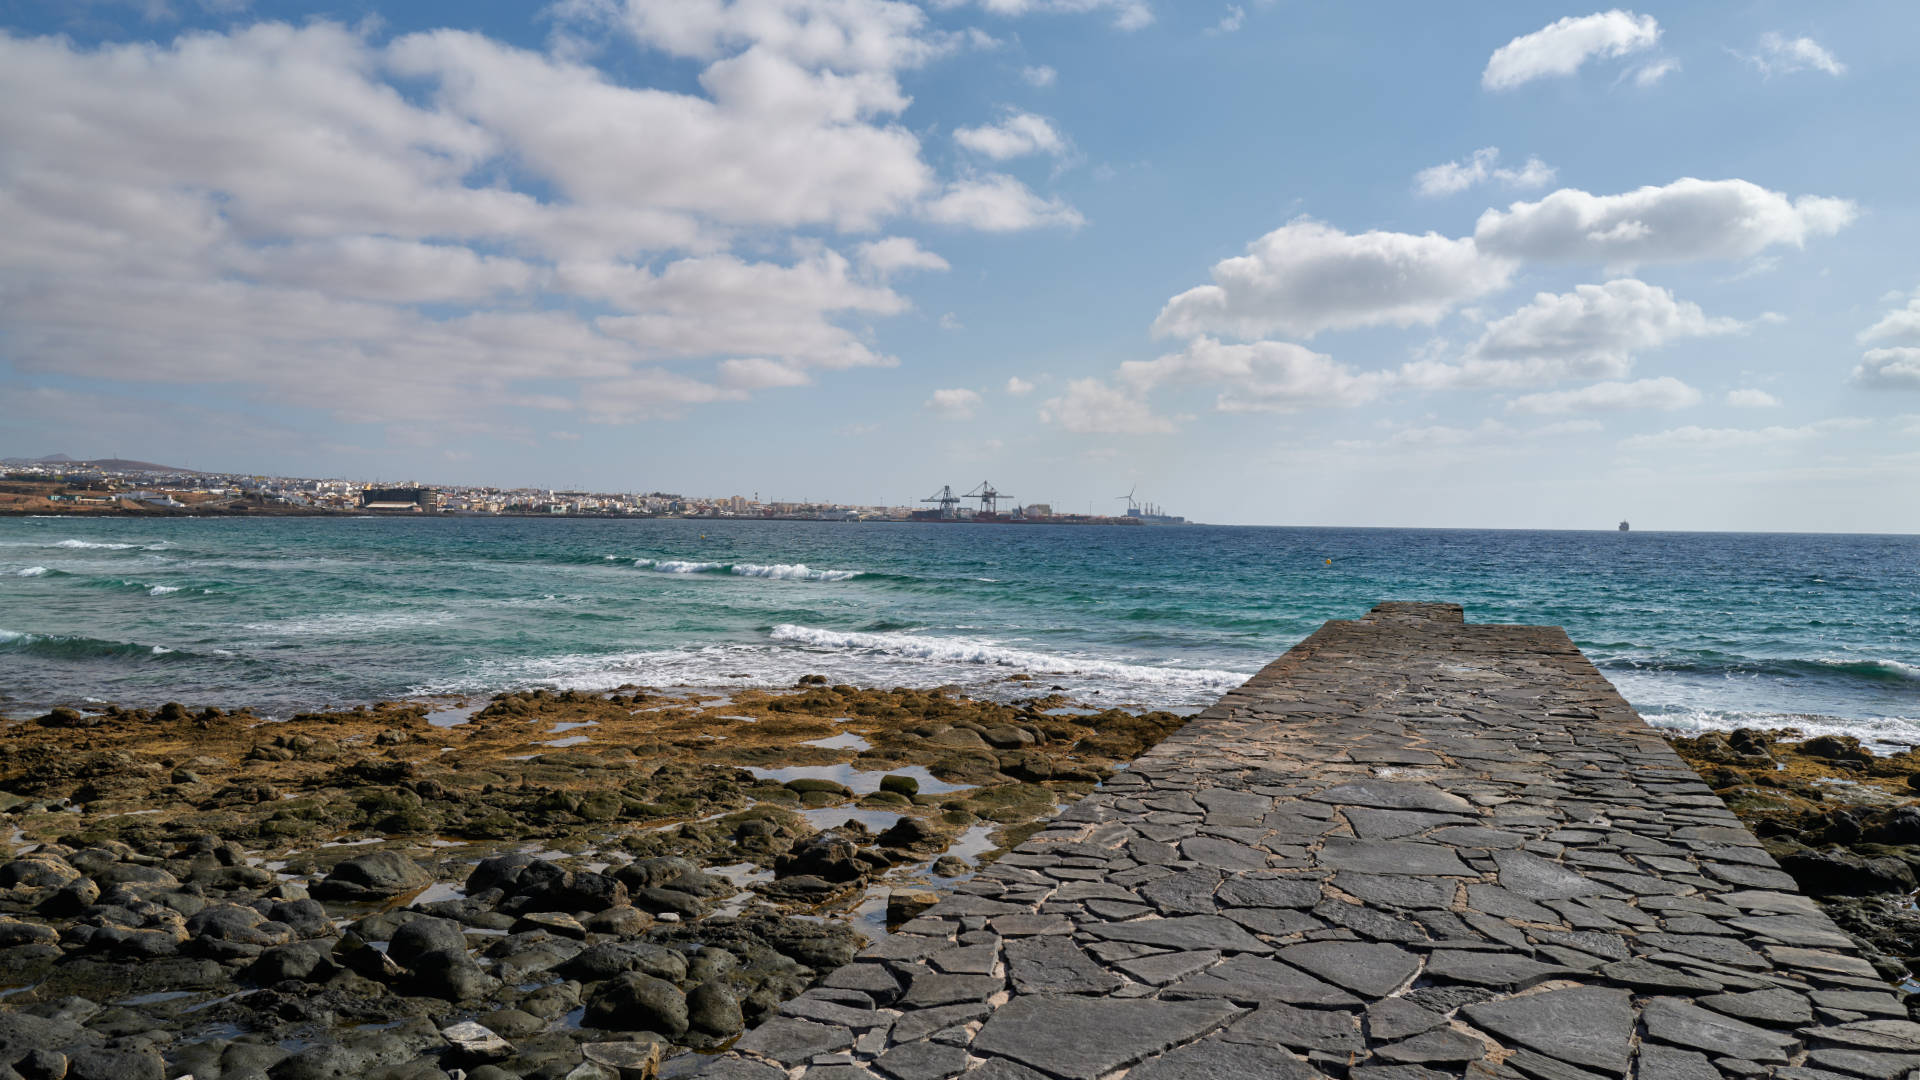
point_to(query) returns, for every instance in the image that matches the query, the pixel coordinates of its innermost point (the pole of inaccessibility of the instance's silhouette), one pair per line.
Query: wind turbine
(1131, 505)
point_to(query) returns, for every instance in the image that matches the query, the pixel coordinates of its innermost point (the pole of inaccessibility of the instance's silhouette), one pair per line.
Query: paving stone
(1395, 1018)
(1394, 891)
(1278, 1024)
(1218, 1059)
(1392, 857)
(1581, 1025)
(1054, 965)
(791, 1042)
(1079, 1038)
(1163, 968)
(1366, 969)
(1682, 1024)
(1370, 824)
(1256, 979)
(1656, 1062)
(1536, 878)
(922, 1061)
(1269, 891)
(1185, 932)
(1763, 1006)
(1393, 795)
(1441, 1046)
(1507, 970)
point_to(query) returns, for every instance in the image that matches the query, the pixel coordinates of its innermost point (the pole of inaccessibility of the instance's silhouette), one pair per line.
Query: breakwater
(1409, 848)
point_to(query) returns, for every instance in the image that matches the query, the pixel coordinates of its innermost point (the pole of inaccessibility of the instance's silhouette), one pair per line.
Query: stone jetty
(1409, 848)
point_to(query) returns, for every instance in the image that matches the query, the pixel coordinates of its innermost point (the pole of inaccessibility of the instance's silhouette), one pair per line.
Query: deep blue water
(1696, 629)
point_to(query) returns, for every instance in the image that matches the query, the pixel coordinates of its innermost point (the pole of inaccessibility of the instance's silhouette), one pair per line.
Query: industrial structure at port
(945, 506)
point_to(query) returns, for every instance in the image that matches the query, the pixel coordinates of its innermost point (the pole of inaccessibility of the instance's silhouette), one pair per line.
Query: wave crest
(774, 571)
(971, 651)
(31, 571)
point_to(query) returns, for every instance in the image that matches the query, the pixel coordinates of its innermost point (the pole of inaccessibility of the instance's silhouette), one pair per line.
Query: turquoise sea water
(1696, 629)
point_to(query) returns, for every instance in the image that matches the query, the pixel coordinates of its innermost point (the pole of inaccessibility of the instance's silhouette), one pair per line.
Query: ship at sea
(1623, 526)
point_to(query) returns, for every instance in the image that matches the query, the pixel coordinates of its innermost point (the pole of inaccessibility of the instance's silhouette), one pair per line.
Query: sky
(1492, 264)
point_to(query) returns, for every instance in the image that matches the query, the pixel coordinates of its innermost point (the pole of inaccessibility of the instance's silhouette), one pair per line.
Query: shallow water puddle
(859, 781)
(847, 741)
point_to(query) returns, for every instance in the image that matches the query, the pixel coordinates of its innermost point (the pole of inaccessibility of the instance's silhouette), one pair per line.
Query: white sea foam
(352, 622)
(93, 544)
(1885, 735)
(974, 651)
(793, 572)
(162, 590)
(31, 571)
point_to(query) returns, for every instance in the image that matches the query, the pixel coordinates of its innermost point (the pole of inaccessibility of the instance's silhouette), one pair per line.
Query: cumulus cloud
(1683, 221)
(1592, 332)
(897, 253)
(1262, 376)
(1782, 55)
(1747, 397)
(1016, 135)
(1453, 177)
(1902, 324)
(1889, 369)
(1039, 75)
(1665, 392)
(1651, 72)
(1018, 386)
(1306, 277)
(267, 208)
(1562, 47)
(1095, 407)
(997, 202)
(956, 404)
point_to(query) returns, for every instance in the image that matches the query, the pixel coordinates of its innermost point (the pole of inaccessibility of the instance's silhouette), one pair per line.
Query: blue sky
(1492, 264)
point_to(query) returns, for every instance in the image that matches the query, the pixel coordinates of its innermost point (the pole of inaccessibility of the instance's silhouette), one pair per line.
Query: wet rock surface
(1410, 848)
(554, 885)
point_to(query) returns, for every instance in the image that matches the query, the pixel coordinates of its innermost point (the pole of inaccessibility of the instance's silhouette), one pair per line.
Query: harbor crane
(946, 498)
(989, 498)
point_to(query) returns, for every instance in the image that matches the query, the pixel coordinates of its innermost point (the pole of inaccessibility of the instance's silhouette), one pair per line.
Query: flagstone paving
(1409, 848)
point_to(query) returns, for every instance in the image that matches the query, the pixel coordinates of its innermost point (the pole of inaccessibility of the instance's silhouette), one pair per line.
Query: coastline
(541, 862)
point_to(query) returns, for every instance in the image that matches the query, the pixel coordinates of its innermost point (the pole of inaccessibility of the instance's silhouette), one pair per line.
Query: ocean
(1698, 630)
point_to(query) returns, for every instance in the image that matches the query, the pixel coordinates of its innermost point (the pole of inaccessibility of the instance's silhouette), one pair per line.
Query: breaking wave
(970, 651)
(31, 571)
(62, 647)
(777, 571)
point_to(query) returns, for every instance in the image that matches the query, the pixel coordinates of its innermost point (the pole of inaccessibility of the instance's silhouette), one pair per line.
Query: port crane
(989, 498)
(946, 498)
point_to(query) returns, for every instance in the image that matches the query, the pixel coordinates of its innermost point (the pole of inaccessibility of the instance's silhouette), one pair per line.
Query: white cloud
(1747, 397)
(951, 321)
(1651, 72)
(1592, 332)
(266, 209)
(997, 202)
(1091, 406)
(1665, 392)
(1902, 324)
(759, 373)
(1683, 221)
(1782, 55)
(957, 404)
(1453, 177)
(897, 253)
(1016, 135)
(1262, 376)
(1562, 47)
(1231, 22)
(1018, 386)
(1039, 75)
(1890, 369)
(1692, 437)
(1305, 277)
(1127, 14)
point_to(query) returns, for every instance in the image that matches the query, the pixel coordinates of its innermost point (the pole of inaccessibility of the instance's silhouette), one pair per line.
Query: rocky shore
(543, 885)
(1841, 819)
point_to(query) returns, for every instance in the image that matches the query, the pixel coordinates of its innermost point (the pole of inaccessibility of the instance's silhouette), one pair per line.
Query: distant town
(116, 486)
